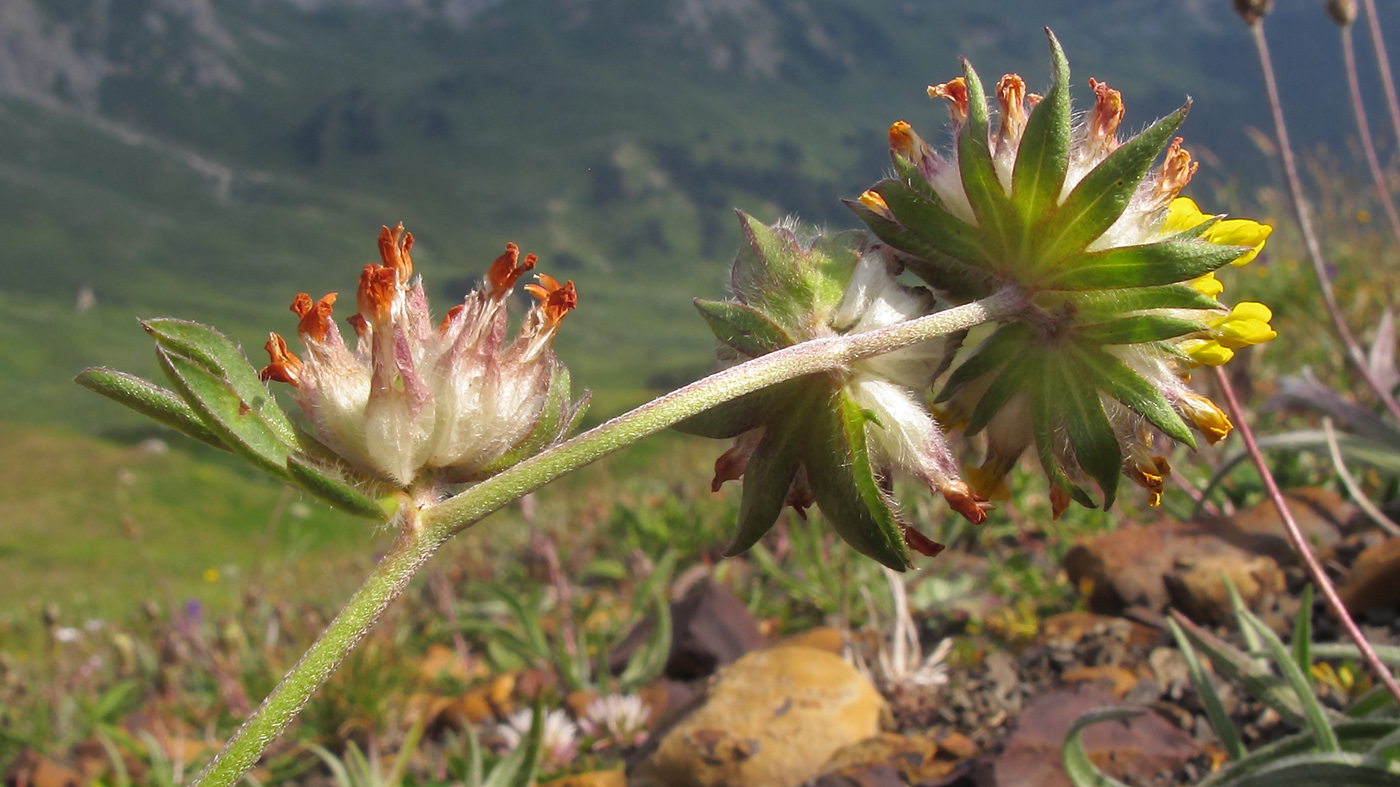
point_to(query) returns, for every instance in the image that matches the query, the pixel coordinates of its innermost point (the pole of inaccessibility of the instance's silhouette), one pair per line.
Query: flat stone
(1130, 567)
(1131, 750)
(822, 638)
(590, 779)
(1322, 515)
(1199, 585)
(771, 719)
(1371, 582)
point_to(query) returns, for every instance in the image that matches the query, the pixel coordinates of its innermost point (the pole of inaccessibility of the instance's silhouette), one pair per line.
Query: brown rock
(590, 779)
(822, 638)
(1133, 750)
(914, 758)
(1128, 567)
(1074, 626)
(1115, 680)
(770, 720)
(1371, 582)
(710, 627)
(1320, 513)
(1198, 586)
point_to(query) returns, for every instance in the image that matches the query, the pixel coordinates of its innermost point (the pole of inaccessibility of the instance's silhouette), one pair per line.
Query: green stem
(424, 529)
(409, 552)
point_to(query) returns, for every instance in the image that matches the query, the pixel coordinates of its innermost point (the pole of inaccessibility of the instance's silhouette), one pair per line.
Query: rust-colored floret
(375, 298)
(506, 270)
(956, 92)
(393, 250)
(285, 367)
(450, 316)
(1011, 94)
(358, 323)
(315, 317)
(1107, 114)
(556, 300)
(1177, 170)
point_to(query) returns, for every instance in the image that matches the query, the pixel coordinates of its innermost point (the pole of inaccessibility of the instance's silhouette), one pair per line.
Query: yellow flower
(1246, 324)
(1183, 214)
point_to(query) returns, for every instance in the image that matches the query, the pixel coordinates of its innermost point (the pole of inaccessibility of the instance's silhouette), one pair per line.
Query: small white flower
(616, 720)
(558, 741)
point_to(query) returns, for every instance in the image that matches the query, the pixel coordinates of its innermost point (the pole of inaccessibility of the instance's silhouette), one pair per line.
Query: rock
(1320, 513)
(1075, 626)
(1198, 586)
(1130, 568)
(1115, 680)
(770, 720)
(822, 638)
(1370, 584)
(710, 627)
(665, 697)
(914, 759)
(1133, 750)
(590, 779)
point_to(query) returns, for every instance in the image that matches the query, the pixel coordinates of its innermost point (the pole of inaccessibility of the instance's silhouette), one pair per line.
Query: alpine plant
(1116, 272)
(1117, 268)
(435, 404)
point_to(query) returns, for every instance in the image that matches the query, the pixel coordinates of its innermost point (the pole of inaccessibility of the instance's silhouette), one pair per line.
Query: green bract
(1121, 295)
(831, 439)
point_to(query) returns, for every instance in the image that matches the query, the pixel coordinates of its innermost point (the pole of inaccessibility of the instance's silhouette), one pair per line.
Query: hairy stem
(1305, 226)
(1300, 544)
(409, 552)
(425, 529)
(810, 357)
(1363, 128)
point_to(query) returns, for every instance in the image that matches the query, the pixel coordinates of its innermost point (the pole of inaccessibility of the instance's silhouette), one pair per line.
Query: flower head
(834, 440)
(616, 720)
(1118, 269)
(454, 400)
(558, 737)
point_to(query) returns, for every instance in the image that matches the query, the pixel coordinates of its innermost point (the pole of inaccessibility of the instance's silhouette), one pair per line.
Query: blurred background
(209, 159)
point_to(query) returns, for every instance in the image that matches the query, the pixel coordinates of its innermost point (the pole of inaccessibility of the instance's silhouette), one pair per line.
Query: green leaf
(744, 328)
(336, 492)
(1097, 305)
(767, 479)
(150, 400)
(223, 359)
(241, 427)
(1138, 329)
(1353, 735)
(939, 228)
(996, 217)
(1317, 720)
(910, 175)
(1101, 196)
(1081, 770)
(1257, 679)
(1045, 421)
(1090, 433)
(1323, 768)
(647, 664)
(1152, 264)
(844, 484)
(1005, 343)
(1118, 380)
(1302, 633)
(1015, 377)
(1043, 156)
(943, 272)
(1216, 714)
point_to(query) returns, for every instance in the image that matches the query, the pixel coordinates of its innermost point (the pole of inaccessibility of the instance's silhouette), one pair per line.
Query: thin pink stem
(1373, 22)
(1300, 211)
(1300, 544)
(1363, 128)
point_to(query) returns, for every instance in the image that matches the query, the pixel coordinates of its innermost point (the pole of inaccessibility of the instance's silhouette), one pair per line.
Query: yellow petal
(1240, 232)
(1207, 285)
(1182, 215)
(1207, 352)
